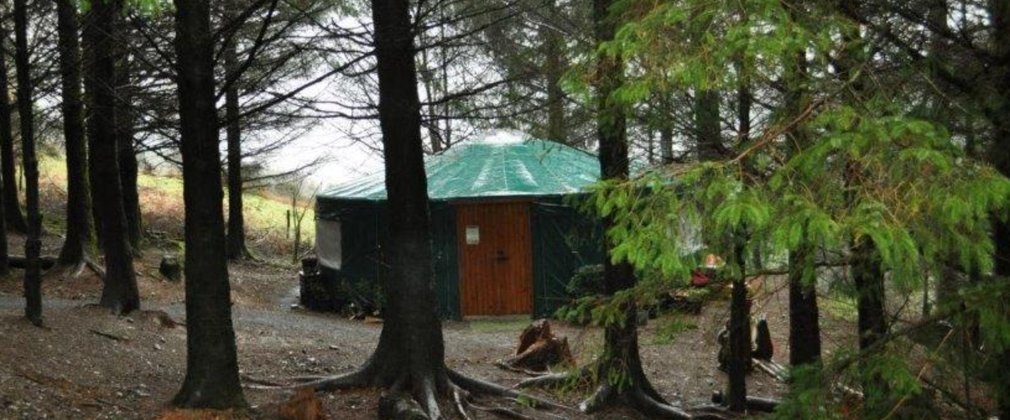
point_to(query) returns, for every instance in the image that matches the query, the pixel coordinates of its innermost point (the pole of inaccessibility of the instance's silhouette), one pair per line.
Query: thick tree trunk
(128, 172)
(12, 209)
(739, 335)
(804, 316)
(33, 242)
(666, 142)
(91, 123)
(119, 291)
(999, 156)
(126, 154)
(620, 357)
(410, 346)
(236, 220)
(869, 281)
(707, 125)
(5, 122)
(79, 229)
(211, 362)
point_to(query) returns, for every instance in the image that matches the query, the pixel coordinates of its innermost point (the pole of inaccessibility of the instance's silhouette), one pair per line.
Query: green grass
(670, 327)
(499, 325)
(162, 203)
(839, 306)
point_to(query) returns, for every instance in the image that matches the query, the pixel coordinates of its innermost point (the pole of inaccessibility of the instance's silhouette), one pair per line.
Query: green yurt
(505, 239)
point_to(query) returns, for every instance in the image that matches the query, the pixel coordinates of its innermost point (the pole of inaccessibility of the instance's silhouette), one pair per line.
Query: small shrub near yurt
(587, 281)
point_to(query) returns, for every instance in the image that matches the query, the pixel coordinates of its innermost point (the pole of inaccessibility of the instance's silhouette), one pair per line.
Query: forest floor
(87, 363)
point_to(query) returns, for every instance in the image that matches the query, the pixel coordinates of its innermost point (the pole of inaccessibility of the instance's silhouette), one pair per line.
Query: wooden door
(495, 258)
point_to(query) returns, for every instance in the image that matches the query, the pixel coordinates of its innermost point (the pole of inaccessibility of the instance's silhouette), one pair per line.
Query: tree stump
(538, 350)
(170, 268)
(763, 348)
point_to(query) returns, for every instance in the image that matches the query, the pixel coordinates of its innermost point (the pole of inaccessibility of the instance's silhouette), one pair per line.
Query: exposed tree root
(555, 380)
(641, 398)
(94, 267)
(425, 393)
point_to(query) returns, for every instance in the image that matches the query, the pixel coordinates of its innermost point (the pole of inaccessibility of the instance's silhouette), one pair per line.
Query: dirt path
(90, 364)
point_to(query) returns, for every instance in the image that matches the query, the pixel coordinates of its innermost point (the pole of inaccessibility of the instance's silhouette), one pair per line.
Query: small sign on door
(472, 235)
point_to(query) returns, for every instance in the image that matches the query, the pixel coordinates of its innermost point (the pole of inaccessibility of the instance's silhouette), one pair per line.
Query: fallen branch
(766, 405)
(776, 370)
(109, 336)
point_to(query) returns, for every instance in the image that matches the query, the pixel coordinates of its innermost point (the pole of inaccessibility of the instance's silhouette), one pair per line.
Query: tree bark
(126, 153)
(15, 221)
(236, 220)
(5, 125)
(410, 347)
(709, 134)
(33, 242)
(554, 69)
(804, 316)
(999, 156)
(666, 140)
(119, 291)
(80, 236)
(620, 357)
(212, 379)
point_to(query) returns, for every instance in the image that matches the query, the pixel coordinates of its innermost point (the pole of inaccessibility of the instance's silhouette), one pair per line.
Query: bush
(587, 281)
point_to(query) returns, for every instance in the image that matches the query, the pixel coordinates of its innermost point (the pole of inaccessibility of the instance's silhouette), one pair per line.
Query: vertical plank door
(495, 258)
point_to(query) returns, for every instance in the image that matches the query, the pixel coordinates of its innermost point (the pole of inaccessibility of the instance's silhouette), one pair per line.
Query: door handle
(500, 256)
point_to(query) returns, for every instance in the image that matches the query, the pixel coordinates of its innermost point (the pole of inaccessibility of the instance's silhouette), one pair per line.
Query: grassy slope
(162, 207)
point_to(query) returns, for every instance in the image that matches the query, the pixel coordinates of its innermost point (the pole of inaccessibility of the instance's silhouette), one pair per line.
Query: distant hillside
(162, 208)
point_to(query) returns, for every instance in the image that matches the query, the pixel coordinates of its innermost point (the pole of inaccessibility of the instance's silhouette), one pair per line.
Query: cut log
(45, 263)
(538, 350)
(170, 268)
(777, 371)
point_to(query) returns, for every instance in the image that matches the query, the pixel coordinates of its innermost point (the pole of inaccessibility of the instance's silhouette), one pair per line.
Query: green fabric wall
(563, 240)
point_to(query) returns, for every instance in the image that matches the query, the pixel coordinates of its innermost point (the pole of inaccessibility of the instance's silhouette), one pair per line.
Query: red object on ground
(699, 279)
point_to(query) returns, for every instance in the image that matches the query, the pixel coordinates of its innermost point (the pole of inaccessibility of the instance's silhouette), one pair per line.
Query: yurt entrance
(495, 258)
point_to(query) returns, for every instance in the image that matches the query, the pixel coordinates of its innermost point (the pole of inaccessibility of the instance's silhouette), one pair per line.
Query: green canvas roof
(497, 166)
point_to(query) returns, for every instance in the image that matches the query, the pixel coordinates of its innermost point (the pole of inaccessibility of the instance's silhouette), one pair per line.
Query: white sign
(472, 235)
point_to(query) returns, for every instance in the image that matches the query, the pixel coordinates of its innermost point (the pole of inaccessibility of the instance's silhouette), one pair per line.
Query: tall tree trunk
(410, 347)
(620, 357)
(91, 123)
(212, 379)
(739, 331)
(236, 220)
(707, 125)
(79, 229)
(999, 155)
(804, 316)
(554, 69)
(33, 242)
(5, 121)
(126, 154)
(119, 291)
(865, 263)
(666, 138)
(11, 202)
